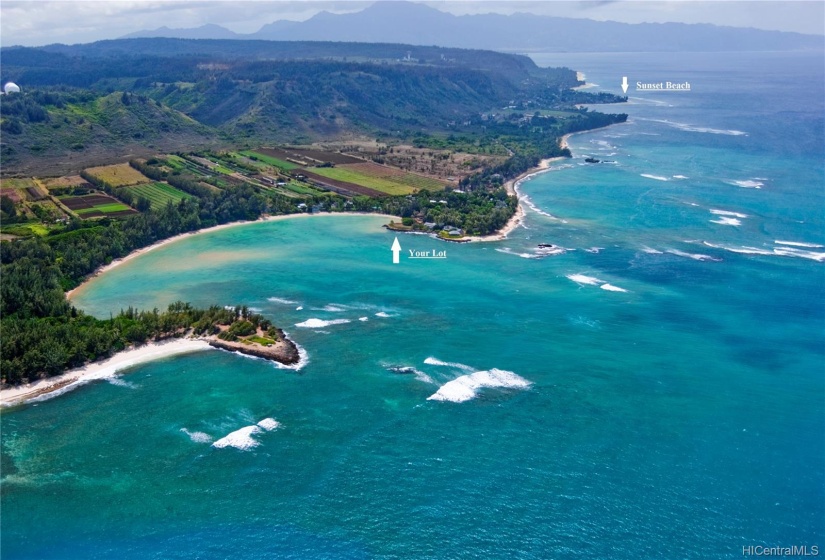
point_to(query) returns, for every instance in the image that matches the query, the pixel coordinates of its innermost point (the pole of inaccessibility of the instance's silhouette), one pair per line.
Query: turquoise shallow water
(682, 417)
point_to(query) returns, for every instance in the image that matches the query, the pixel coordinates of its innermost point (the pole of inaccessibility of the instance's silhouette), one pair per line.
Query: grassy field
(285, 165)
(383, 184)
(105, 208)
(119, 175)
(159, 194)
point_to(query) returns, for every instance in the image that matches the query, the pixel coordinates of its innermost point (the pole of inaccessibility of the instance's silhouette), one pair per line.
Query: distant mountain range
(417, 24)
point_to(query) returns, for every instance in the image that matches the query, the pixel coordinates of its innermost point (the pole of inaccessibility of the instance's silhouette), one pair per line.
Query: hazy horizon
(28, 23)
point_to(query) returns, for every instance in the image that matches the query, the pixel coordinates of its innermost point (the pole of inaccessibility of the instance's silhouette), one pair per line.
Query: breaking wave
(243, 439)
(728, 213)
(436, 362)
(799, 244)
(582, 279)
(407, 370)
(466, 387)
(725, 221)
(282, 301)
(320, 323)
(657, 177)
(612, 288)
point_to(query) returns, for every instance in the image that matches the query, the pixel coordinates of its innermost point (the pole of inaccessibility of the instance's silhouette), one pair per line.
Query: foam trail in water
(333, 308)
(680, 177)
(691, 128)
(466, 387)
(383, 314)
(420, 375)
(725, 221)
(746, 183)
(281, 300)
(197, 437)
(612, 288)
(694, 256)
(651, 251)
(320, 323)
(582, 279)
(436, 362)
(799, 244)
(121, 383)
(728, 213)
(363, 319)
(657, 177)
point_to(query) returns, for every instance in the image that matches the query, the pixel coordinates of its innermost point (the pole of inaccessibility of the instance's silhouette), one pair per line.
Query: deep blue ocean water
(683, 417)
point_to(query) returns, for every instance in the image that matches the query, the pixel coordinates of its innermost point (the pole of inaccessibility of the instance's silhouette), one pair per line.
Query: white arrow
(396, 251)
(624, 84)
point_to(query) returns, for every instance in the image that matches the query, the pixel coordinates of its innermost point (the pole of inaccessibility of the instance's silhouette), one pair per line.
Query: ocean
(654, 387)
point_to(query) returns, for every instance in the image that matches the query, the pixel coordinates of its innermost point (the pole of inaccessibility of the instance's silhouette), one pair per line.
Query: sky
(41, 22)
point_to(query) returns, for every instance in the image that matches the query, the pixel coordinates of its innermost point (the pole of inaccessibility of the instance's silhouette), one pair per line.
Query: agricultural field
(120, 175)
(268, 157)
(159, 194)
(96, 206)
(68, 181)
(414, 180)
(386, 185)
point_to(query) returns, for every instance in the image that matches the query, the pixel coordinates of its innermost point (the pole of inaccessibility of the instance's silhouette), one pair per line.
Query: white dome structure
(11, 87)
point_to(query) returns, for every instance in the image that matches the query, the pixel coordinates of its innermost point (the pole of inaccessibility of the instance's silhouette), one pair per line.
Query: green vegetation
(105, 208)
(158, 194)
(376, 183)
(285, 165)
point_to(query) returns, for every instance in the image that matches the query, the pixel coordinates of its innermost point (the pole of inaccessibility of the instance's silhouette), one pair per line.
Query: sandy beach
(170, 240)
(512, 189)
(54, 386)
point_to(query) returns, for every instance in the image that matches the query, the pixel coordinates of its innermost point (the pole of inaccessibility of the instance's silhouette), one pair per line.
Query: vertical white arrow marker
(624, 84)
(396, 251)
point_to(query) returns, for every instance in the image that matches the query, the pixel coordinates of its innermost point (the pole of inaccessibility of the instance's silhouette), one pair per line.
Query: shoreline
(512, 189)
(51, 387)
(169, 240)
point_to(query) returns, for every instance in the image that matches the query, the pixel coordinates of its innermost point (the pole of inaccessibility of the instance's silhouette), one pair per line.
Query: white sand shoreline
(170, 240)
(53, 386)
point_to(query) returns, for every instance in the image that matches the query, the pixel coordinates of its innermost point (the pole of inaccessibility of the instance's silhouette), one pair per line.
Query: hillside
(55, 131)
(184, 94)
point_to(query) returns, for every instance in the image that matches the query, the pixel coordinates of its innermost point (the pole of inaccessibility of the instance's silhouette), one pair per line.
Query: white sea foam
(692, 128)
(799, 244)
(582, 279)
(269, 424)
(466, 387)
(725, 221)
(420, 375)
(694, 256)
(728, 213)
(332, 308)
(651, 251)
(121, 382)
(793, 252)
(281, 300)
(742, 250)
(240, 439)
(612, 288)
(436, 362)
(363, 319)
(320, 323)
(680, 177)
(594, 250)
(303, 358)
(657, 177)
(383, 314)
(299, 308)
(197, 437)
(530, 204)
(746, 183)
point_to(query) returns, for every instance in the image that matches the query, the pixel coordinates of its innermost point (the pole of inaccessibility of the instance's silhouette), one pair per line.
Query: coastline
(512, 189)
(169, 240)
(53, 386)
